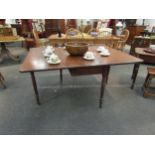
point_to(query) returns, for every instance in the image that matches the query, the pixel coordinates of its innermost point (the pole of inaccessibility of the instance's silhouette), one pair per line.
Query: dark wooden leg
(108, 71)
(61, 76)
(134, 74)
(35, 87)
(103, 84)
(2, 81)
(4, 50)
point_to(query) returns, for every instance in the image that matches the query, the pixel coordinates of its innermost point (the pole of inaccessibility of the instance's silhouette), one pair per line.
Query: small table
(35, 62)
(146, 57)
(107, 40)
(5, 50)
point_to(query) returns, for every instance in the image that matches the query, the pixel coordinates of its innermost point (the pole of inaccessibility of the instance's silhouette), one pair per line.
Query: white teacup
(54, 58)
(89, 55)
(100, 48)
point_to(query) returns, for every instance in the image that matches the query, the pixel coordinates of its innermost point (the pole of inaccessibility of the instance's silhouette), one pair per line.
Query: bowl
(76, 49)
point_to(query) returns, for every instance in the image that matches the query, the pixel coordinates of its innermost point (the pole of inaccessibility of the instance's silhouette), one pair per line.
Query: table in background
(110, 41)
(35, 62)
(5, 50)
(146, 57)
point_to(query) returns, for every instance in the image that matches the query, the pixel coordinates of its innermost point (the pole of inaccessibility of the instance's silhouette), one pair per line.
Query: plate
(105, 54)
(54, 63)
(88, 58)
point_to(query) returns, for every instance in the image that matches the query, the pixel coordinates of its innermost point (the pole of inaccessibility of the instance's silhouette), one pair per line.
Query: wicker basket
(76, 49)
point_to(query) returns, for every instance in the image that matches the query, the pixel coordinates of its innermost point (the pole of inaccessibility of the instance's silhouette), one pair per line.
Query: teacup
(100, 48)
(53, 58)
(89, 55)
(152, 47)
(48, 52)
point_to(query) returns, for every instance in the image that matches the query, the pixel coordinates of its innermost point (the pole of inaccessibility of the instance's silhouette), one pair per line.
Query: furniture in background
(123, 39)
(147, 83)
(134, 30)
(146, 57)
(5, 51)
(76, 65)
(52, 26)
(142, 42)
(71, 23)
(2, 80)
(110, 41)
(39, 41)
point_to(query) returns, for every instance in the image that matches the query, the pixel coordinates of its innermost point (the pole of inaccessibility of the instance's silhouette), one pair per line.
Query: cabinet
(52, 25)
(134, 30)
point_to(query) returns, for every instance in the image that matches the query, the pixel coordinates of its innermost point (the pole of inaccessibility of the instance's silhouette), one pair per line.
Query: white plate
(105, 54)
(54, 63)
(88, 58)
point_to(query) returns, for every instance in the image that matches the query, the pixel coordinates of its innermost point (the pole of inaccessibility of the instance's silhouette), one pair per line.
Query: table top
(35, 60)
(82, 36)
(7, 39)
(140, 51)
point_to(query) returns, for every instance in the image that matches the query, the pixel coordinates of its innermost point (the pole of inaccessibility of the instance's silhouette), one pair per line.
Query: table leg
(35, 87)
(4, 51)
(2, 81)
(103, 84)
(61, 76)
(134, 74)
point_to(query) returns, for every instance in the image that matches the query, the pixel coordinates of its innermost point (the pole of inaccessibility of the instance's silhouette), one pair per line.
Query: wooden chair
(72, 32)
(123, 39)
(39, 41)
(147, 83)
(2, 80)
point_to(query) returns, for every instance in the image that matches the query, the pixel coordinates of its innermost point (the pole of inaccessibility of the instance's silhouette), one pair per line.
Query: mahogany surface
(35, 60)
(147, 57)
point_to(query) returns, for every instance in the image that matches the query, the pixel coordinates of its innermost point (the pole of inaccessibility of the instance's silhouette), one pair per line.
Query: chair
(39, 41)
(72, 32)
(123, 39)
(147, 83)
(2, 80)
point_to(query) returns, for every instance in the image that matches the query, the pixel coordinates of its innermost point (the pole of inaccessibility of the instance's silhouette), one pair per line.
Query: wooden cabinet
(134, 30)
(51, 26)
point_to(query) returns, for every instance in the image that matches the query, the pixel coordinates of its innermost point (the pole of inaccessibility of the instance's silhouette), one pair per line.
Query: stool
(2, 81)
(147, 83)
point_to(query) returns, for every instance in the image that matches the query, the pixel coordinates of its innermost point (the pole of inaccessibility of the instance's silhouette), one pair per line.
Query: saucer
(88, 58)
(54, 63)
(104, 54)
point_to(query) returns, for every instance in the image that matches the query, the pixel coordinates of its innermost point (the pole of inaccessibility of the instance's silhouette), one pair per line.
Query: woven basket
(76, 49)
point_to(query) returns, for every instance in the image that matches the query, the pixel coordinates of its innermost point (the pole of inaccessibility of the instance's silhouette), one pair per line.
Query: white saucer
(89, 58)
(105, 54)
(54, 63)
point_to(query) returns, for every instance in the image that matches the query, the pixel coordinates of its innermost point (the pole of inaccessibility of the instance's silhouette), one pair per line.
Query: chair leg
(146, 86)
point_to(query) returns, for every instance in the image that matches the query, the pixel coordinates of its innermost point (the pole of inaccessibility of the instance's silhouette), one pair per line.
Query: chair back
(126, 35)
(36, 37)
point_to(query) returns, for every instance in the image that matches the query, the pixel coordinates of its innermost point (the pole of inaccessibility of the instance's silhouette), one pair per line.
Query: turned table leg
(105, 73)
(134, 74)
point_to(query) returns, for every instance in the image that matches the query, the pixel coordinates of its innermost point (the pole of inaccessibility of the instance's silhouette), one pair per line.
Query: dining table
(4, 40)
(109, 40)
(77, 65)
